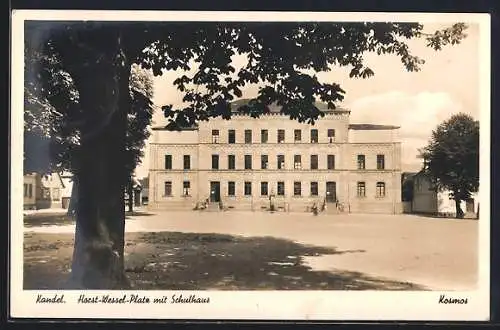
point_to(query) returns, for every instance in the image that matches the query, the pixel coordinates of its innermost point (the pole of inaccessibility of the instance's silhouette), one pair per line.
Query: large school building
(257, 163)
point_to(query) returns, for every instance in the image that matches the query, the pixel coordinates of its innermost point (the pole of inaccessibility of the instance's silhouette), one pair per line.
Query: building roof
(408, 175)
(165, 128)
(272, 108)
(371, 127)
(45, 179)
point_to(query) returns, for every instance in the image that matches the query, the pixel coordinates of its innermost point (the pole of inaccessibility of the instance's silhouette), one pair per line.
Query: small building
(67, 179)
(426, 199)
(136, 192)
(407, 191)
(145, 190)
(42, 191)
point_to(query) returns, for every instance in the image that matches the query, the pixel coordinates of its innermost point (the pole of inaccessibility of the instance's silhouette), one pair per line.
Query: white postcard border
(252, 305)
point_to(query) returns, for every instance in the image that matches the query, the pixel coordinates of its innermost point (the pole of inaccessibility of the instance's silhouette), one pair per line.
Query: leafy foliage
(53, 115)
(279, 56)
(139, 118)
(452, 156)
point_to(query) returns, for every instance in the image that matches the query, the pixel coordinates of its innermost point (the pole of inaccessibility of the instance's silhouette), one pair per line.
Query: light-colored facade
(429, 201)
(67, 179)
(247, 164)
(42, 191)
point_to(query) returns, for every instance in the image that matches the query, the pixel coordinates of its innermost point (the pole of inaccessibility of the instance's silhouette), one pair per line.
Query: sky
(448, 83)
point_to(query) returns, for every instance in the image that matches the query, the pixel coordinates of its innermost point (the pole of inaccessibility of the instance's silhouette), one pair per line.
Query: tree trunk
(459, 212)
(130, 192)
(102, 78)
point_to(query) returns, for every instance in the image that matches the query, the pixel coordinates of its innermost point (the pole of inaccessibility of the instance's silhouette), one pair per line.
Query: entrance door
(331, 192)
(469, 206)
(214, 191)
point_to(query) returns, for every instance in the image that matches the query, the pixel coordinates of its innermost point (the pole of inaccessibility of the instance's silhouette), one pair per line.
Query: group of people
(316, 209)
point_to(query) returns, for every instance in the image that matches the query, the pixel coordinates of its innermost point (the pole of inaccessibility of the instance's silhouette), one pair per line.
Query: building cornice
(386, 171)
(271, 144)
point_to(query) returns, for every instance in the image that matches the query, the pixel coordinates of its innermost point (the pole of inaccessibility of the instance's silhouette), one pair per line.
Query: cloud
(417, 114)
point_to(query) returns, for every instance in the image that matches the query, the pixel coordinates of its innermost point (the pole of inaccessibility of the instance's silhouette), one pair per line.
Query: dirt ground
(180, 261)
(254, 251)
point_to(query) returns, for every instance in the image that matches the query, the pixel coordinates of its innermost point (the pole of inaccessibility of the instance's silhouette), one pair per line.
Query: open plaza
(239, 250)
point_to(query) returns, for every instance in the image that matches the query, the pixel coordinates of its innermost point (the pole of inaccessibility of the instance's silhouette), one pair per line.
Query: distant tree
(98, 56)
(138, 122)
(52, 111)
(451, 159)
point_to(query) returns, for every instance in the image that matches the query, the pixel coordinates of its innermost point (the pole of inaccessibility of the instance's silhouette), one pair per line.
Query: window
(263, 188)
(297, 162)
(231, 162)
(248, 162)
(25, 190)
(314, 135)
(314, 188)
(45, 193)
(231, 188)
(281, 162)
(168, 188)
(281, 136)
(30, 190)
(185, 188)
(380, 162)
(215, 136)
(361, 189)
(264, 135)
(168, 162)
(248, 136)
(314, 162)
(263, 162)
(297, 135)
(361, 162)
(281, 188)
(330, 162)
(56, 194)
(215, 162)
(231, 136)
(380, 189)
(297, 191)
(187, 162)
(248, 188)
(331, 135)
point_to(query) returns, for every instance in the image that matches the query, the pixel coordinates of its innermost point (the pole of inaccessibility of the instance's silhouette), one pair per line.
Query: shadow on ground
(225, 262)
(49, 219)
(189, 261)
(42, 220)
(467, 216)
(137, 214)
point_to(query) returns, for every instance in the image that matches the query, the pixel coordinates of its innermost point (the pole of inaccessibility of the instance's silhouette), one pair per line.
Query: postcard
(250, 165)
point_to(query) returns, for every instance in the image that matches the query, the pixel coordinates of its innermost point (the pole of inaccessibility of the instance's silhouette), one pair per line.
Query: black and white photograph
(250, 165)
